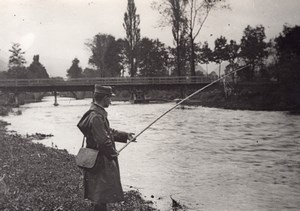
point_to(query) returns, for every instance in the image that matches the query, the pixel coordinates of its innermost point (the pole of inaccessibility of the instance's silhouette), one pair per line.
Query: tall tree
(90, 73)
(253, 50)
(105, 55)
(113, 59)
(233, 53)
(36, 69)
(205, 55)
(131, 26)
(196, 13)
(124, 64)
(16, 63)
(271, 70)
(288, 50)
(187, 18)
(153, 58)
(220, 52)
(179, 32)
(16, 59)
(172, 12)
(74, 71)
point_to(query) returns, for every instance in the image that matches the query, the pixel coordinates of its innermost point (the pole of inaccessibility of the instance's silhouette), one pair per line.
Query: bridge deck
(121, 83)
(105, 81)
(87, 84)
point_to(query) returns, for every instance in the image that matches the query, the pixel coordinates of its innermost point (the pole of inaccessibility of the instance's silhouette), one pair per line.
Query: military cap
(106, 90)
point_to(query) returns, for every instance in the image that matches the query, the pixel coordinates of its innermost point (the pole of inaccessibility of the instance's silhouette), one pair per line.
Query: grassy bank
(4, 110)
(23, 97)
(35, 177)
(249, 97)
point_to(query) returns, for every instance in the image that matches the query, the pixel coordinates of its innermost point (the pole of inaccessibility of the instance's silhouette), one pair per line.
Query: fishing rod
(172, 108)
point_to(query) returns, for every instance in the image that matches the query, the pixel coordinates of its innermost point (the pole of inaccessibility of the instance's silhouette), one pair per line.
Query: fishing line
(191, 95)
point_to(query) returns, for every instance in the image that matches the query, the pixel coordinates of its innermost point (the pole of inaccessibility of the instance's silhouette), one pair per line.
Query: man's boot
(100, 207)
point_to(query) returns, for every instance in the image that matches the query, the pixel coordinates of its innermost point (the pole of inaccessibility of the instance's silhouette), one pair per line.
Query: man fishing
(102, 184)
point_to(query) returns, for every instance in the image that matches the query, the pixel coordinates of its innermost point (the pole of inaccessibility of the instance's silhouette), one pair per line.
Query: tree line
(136, 56)
(17, 68)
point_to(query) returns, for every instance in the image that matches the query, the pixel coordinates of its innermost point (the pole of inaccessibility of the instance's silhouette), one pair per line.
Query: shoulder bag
(86, 157)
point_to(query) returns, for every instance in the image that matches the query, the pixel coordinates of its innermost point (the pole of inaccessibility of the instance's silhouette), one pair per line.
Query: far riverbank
(248, 97)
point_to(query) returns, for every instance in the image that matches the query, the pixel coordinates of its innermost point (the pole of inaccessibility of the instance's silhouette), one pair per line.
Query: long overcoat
(102, 183)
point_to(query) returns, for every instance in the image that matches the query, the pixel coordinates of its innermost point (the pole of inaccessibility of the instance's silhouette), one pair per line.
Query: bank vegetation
(35, 177)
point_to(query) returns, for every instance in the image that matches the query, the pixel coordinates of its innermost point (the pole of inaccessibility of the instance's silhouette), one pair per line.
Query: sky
(57, 30)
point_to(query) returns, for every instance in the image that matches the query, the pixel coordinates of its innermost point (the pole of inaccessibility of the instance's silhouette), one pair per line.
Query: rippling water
(206, 158)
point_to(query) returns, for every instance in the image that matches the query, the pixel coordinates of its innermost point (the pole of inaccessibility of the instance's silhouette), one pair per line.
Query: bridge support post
(183, 91)
(75, 95)
(55, 98)
(16, 96)
(138, 96)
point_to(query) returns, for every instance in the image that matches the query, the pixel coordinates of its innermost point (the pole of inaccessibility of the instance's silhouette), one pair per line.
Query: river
(205, 158)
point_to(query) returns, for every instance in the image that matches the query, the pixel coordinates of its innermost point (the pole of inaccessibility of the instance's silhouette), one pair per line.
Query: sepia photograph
(149, 105)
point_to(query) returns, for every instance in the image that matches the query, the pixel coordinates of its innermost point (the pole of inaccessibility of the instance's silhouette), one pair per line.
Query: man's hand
(130, 137)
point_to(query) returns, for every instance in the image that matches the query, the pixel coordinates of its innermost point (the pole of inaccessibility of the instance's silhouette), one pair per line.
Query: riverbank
(257, 98)
(35, 177)
(247, 96)
(9, 99)
(4, 110)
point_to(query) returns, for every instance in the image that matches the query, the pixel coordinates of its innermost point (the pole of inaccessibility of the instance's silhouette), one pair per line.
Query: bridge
(132, 84)
(87, 84)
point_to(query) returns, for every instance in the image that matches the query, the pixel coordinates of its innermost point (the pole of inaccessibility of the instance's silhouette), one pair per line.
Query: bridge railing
(143, 80)
(107, 81)
(30, 82)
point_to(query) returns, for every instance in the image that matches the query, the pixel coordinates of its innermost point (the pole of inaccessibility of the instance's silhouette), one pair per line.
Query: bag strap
(84, 138)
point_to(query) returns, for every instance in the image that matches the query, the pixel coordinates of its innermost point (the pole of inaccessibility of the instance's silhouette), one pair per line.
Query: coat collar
(98, 108)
